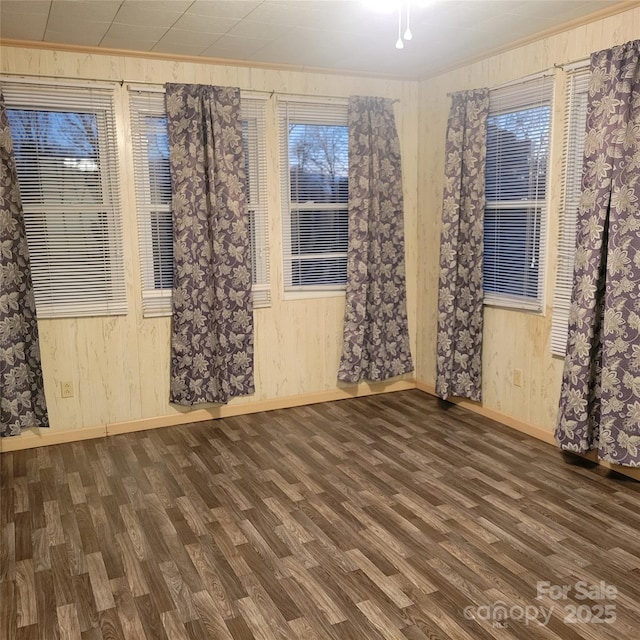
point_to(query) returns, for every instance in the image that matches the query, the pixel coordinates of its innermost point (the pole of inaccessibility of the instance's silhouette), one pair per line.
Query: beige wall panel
(408, 127)
(153, 364)
(511, 339)
(335, 318)
(120, 366)
(58, 350)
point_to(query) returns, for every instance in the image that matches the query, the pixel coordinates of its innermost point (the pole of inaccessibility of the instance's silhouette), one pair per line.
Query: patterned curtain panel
(600, 397)
(460, 295)
(212, 323)
(376, 336)
(22, 401)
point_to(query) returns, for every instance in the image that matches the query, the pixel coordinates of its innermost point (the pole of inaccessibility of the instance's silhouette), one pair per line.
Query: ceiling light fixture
(401, 6)
(407, 34)
(399, 42)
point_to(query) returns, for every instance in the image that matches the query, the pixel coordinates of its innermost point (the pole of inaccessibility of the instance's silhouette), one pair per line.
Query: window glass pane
(162, 246)
(250, 160)
(511, 251)
(157, 139)
(319, 231)
(319, 271)
(76, 233)
(62, 146)
(517, 154)
(319, 164)
(253, 245)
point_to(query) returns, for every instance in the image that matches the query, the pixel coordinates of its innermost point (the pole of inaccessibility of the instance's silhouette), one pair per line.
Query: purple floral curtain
(22, 401)
(460, 295)
(600, 396)
(376, 336)
(212, 323)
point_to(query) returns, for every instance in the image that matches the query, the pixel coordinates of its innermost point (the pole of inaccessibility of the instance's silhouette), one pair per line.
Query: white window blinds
(518, 129)
(153, 193)
(65, 144)
(575, 118)
(314, 173)
(255, 159)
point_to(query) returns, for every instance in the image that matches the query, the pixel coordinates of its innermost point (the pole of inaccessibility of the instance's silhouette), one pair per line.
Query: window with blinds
(65, 145)
(518, 131)
(575, 120)
(153, 194)
(314, 177)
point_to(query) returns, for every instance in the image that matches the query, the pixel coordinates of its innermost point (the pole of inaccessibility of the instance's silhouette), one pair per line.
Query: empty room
(318, 320)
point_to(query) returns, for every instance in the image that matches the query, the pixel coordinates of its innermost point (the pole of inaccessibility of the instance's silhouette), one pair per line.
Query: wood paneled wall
(512, 339)
(120, 365)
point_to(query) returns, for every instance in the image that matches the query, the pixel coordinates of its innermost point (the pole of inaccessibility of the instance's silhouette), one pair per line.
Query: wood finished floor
(381, 517)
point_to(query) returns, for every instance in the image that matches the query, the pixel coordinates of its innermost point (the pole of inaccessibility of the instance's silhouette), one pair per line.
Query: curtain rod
(534, 76)
(302, 96)
(157, 85)
(569, 66)
(45, 80)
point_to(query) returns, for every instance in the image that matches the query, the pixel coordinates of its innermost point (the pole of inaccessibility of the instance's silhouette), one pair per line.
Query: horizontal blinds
(255, 149)
(315, 194)
(575, 118)
(153, 196)
(65, 144)
(153, 193)
(518, 130)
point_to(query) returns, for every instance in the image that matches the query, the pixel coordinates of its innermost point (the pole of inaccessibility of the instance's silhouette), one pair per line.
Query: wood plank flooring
(392, 517)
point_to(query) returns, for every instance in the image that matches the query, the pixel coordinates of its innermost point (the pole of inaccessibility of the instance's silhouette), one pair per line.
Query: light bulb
(399, 43)
(407, 34)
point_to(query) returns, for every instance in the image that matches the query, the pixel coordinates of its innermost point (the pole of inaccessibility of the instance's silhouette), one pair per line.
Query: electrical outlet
(66, 389)
(517, 377)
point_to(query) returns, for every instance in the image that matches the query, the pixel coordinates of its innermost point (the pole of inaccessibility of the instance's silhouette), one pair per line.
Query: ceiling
(344, 35)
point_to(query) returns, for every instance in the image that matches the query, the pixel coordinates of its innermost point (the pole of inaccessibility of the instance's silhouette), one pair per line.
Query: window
(153, 194)
(64, 140)
(315, 194)
(255, 158)
(575, 130)
(518, 128)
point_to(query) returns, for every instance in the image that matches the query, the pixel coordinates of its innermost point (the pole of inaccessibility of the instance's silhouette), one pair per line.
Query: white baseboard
(502, 418)
(525, 427)
(34, 437)
(31, 438)
(240, 409)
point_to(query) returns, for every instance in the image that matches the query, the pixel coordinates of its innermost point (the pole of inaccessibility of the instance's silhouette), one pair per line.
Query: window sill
(521, 307)
(313, 294)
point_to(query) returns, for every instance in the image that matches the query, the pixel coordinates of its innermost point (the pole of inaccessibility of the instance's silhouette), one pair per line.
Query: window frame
(156, 302)
(76, 300)
(527, 93)
(307, 110)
